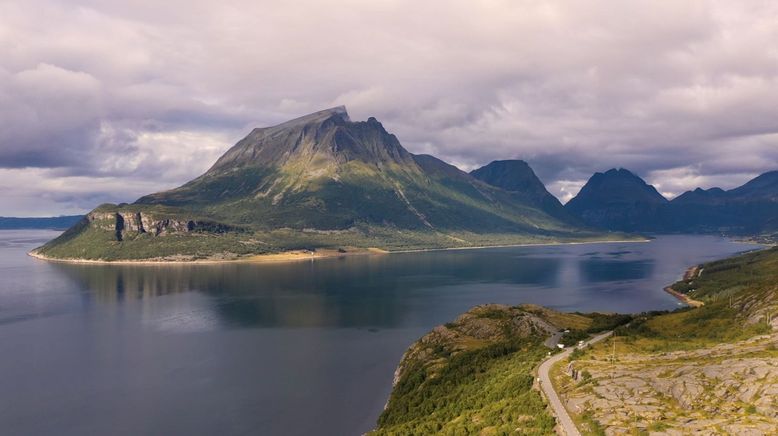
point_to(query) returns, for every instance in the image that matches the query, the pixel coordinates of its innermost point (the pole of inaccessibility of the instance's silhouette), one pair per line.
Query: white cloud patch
(116, 99)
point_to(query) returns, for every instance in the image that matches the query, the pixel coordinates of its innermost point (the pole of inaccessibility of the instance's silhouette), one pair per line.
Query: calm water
(292, 349)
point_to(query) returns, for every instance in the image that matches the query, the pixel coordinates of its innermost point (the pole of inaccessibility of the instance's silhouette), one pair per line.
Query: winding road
(563, 417)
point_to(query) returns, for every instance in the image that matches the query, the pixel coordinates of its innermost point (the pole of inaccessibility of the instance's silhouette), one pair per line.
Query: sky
(105, 101)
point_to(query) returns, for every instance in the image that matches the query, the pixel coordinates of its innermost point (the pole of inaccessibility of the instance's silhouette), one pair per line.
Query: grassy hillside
(739, 293)
(475, 375)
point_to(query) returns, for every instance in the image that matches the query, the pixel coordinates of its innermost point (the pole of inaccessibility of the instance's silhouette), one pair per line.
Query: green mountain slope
(316, 181)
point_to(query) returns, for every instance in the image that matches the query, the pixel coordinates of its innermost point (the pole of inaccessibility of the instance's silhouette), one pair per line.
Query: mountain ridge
(621, 200)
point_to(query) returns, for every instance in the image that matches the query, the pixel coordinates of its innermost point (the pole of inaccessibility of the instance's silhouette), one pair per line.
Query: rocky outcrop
(133, 223)
(729, 388)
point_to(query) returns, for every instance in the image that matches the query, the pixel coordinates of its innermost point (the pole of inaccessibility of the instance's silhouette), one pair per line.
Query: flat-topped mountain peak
(323, 139)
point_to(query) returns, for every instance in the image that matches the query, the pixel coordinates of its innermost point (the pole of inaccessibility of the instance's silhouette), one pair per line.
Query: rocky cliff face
(128, 223)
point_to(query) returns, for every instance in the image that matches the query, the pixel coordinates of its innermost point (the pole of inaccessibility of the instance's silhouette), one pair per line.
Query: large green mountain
(316, 181)
(620, 200)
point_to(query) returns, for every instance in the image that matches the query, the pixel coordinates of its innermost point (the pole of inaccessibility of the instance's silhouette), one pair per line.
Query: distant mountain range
(620, 200)
(323, 180)
(56, 222)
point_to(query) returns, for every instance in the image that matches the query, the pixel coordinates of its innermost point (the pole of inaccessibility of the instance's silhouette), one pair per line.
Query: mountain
(56, 222)
(321, 180)
(516, 177)
(618, 200)
(751, 208)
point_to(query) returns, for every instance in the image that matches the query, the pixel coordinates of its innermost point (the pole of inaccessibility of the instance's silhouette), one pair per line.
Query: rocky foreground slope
(708, 370)
(728, 388)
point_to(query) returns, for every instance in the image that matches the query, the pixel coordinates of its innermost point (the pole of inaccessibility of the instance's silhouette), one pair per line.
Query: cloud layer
(105, 102)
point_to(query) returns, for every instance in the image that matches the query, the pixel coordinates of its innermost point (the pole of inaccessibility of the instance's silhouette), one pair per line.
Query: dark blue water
(289, 349)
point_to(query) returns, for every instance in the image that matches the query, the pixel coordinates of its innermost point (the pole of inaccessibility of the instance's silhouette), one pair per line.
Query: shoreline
(283, 257)
(542, 244)
(303, 255)
(690, 273)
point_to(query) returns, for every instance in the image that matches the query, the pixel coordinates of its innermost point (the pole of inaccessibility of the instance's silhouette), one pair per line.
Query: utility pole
(613, 358)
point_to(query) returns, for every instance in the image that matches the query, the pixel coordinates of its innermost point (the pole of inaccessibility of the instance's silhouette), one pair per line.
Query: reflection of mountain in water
(601, 270)
(349, 292)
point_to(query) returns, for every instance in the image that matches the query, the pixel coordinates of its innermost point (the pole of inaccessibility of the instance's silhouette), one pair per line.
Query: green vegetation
(739, 294)
(96, 243)
(484, 390)
(597, 322)
(475, 375)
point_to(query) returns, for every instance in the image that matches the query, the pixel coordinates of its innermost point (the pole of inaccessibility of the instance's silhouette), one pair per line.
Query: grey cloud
(148, 94)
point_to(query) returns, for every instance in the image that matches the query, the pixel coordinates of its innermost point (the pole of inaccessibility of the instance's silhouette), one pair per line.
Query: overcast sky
(104, 101)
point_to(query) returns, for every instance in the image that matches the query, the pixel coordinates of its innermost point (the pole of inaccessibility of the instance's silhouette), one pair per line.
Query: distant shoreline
(306, 255)
(542, 244)
(283, 257)
(690, 273)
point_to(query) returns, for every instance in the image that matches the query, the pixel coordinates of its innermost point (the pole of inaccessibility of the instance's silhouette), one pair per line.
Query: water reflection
(346, 292)
(600, 270)
(400, 290)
